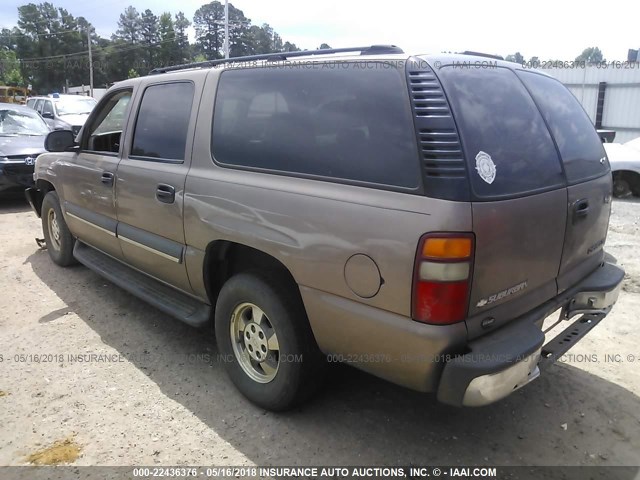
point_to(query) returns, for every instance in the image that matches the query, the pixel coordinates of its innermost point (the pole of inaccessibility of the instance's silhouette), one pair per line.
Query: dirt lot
(163, 400)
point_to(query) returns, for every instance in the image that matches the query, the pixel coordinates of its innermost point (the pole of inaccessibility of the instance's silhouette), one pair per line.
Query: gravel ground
(163, 400)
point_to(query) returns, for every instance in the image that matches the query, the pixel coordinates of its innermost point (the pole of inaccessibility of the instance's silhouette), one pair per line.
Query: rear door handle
(581, 208)
(166, 193)
(107, 178)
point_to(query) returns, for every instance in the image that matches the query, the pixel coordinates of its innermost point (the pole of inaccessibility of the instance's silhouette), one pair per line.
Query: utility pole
(226, 28)
(90, 61)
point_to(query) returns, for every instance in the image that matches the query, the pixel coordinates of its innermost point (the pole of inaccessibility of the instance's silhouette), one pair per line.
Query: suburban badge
(503, 294)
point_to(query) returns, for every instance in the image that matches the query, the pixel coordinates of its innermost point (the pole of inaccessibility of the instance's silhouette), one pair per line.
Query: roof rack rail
(479, 54)
(281, 56)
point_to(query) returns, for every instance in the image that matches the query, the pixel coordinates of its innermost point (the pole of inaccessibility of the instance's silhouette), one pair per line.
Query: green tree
(39, 25)
(180, 26)
(150, 36)
(124, 52)
(10, 73)
(129, 25)
(168, 53)
(49, 46)
(516, 58)
(324, 46)
(239, 38)
(289, 47)
(209, 25)
(591, 55)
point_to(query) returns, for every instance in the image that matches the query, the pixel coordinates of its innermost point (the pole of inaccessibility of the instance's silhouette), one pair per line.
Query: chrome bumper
(504, 361)
(490, 388)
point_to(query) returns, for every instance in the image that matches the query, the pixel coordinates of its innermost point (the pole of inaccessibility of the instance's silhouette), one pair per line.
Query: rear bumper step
(501, 362)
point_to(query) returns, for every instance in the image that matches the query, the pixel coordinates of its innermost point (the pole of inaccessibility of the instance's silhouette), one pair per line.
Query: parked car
(625, 167)
(339, 212)
(22, 135)
(63, 112)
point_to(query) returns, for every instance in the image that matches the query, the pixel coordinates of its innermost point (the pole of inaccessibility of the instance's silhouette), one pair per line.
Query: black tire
(621, 187)
(61, 248)
(294, 380)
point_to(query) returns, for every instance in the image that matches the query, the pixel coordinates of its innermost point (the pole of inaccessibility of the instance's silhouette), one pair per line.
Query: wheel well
(43, 187)
(223, 259)
(630, 176)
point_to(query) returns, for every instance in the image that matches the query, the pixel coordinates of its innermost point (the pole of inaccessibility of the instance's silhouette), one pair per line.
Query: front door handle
(107, 178)
(166, 193)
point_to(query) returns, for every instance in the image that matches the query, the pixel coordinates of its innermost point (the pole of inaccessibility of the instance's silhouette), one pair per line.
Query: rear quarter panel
(312, 227)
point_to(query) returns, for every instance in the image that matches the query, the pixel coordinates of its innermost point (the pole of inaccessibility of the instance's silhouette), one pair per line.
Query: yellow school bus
(13, 94)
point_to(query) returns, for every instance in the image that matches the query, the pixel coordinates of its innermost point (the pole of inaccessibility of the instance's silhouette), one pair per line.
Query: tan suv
(414, 216)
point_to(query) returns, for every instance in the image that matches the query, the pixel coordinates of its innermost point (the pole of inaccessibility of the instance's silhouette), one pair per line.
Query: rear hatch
(539, 190)
(587, 173)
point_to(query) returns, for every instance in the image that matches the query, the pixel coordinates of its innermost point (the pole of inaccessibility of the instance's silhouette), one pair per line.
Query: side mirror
(59, 141)
(47, 115)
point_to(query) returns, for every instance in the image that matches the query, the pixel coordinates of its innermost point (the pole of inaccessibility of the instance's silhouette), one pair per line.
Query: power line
(37, 34)
(106, 50)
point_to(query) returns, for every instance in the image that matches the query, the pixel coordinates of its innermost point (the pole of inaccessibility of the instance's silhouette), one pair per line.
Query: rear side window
(47, 107)
(507, 145)
(579, 144)
(340, 121)
(163, 121)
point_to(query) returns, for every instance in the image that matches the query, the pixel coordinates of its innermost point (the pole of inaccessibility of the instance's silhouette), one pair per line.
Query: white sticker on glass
(485, 167)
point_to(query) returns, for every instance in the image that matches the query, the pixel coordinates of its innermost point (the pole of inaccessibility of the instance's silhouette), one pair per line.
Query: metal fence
(611, 96)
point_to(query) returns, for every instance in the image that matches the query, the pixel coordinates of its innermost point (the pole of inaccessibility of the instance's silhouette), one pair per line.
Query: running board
(161, 296)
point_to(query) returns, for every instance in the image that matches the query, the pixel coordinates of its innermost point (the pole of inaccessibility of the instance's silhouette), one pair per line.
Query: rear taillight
(442, 278)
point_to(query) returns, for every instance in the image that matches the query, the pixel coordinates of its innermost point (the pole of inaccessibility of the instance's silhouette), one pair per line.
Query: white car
(625, 166)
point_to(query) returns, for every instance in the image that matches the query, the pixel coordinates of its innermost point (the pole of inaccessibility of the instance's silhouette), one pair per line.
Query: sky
(548, 29)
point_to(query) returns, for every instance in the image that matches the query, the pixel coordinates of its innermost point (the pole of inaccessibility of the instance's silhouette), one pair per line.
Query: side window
(39, 106)
(579, 144)
(345, 123)
(163, 121)
(106, 127)
(31, 103)
(47, 108)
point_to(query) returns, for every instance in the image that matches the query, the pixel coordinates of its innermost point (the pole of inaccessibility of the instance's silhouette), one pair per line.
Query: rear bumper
(501, 362)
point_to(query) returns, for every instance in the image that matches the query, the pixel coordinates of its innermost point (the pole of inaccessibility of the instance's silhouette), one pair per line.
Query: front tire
(621, 186)
(266, 342)
(59, 240)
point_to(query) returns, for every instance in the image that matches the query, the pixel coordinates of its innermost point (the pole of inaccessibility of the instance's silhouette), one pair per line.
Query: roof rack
(281, 56)
(479, 54)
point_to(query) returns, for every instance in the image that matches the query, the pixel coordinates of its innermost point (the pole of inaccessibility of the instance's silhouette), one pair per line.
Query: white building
(611, 96)
(84, 90)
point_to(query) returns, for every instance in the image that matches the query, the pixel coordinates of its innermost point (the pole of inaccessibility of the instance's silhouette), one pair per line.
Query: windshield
(21, 122)
(75, 107)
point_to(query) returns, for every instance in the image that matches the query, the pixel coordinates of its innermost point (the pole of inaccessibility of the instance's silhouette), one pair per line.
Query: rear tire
(266, 342)
(59, 240)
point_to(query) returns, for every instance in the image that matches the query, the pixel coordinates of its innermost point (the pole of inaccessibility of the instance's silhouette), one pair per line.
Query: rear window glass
(579, 144)
(338, 120)
(507, 145)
